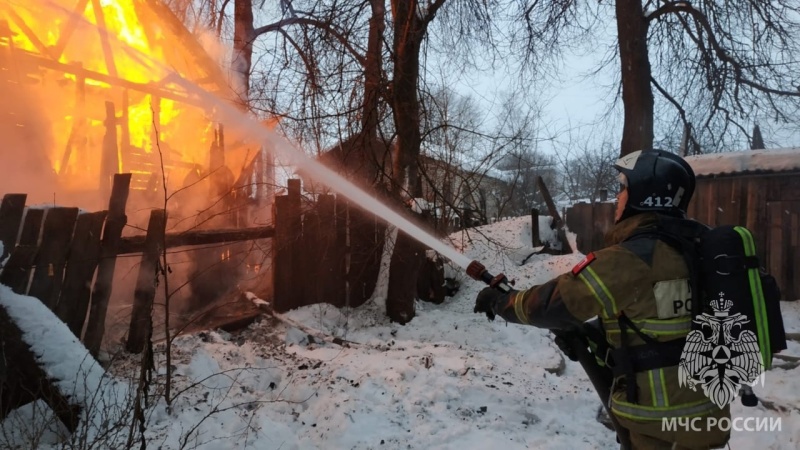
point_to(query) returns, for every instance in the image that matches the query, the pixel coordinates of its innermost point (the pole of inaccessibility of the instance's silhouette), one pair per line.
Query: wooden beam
(69, 28)
(79, 71)
(548, 200)
(558, 223)
(136, 244)
(125, 131)
(103, 31)
(28, 31)
(109, 158)
(77, 135)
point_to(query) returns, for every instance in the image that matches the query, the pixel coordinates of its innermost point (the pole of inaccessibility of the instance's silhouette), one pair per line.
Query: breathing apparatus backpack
(726, 277)
(729, 265)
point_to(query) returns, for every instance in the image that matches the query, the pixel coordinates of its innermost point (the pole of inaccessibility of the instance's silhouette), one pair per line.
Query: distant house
(457, 197)
(454, 197)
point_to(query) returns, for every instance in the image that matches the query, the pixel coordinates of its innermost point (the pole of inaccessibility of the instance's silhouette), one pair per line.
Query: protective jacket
(647, 281)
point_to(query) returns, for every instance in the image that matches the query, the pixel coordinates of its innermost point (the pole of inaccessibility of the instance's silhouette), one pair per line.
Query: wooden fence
(326, 251)
(58, 252)
(66, 258)
(590, 222)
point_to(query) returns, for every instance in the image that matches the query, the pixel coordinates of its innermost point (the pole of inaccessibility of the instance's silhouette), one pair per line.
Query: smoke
(25, 137)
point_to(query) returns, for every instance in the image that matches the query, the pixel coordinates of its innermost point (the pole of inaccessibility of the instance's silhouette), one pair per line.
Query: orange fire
(75, 59)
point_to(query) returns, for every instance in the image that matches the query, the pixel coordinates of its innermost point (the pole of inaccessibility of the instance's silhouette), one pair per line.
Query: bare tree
(587, 170)
(475, 167)
(713, 65)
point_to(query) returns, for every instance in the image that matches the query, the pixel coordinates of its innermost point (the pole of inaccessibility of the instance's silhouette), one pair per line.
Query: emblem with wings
(721, 355)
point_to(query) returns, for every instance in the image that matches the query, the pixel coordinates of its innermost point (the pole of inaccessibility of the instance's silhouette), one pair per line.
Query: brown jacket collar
(627, 227)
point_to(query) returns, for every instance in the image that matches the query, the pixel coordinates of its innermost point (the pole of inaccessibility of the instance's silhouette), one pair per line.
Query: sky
(449, 379)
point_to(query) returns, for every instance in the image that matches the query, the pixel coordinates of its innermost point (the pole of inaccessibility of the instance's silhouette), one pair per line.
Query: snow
(64, 359)
(749, 161)
(448, 379)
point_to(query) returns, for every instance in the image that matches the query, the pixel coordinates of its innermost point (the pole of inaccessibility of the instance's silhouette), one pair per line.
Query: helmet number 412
(657, 202)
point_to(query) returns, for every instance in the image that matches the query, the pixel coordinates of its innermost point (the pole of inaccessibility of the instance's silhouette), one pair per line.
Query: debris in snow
(308, 331)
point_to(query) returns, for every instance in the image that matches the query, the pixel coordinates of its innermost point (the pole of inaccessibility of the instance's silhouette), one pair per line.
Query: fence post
(84, 253)
(330, 287)
(16, 273)
(52, 257)
(101, 292)
(141, 325)
(10, 218)
(287, 280)
(536, 240)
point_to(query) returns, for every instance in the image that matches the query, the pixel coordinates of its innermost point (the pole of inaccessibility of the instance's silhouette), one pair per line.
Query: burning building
(86, 93)
(88, 90)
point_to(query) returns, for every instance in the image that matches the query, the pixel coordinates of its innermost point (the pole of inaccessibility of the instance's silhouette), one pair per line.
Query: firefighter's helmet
(656, 181)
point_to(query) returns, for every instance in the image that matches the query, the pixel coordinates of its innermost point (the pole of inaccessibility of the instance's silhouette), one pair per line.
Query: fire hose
(575, 344)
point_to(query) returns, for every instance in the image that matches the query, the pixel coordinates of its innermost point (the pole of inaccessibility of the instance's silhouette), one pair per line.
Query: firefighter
(640, 290)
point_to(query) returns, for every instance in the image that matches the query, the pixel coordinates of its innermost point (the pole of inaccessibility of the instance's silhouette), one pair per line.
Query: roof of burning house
(746, 162)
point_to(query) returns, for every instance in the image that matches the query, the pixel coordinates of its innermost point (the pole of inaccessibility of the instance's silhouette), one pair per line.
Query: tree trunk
(637, 94)
(409, 31)
(372, 69)
(243, 37)
(407, 258)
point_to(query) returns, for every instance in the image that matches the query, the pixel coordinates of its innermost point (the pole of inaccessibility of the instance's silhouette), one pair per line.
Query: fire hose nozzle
(477, 271)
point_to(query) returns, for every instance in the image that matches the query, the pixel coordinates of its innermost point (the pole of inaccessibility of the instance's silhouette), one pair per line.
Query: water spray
(297, 157)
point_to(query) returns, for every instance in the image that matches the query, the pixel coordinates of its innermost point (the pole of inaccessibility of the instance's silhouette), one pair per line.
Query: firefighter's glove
(486, 300)
(565, 347)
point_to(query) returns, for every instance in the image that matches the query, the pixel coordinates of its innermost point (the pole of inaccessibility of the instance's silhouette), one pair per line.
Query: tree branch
(719, 51)
(681, 111)
(314, 23)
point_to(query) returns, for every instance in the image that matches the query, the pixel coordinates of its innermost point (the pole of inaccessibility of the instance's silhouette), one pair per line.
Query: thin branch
(327, 27)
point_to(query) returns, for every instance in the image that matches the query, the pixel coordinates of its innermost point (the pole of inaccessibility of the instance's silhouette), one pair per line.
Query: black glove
(565, 346)
(486, 300)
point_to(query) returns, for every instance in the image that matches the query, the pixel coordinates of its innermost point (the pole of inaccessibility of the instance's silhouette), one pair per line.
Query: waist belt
(630, 359)
(639, 358)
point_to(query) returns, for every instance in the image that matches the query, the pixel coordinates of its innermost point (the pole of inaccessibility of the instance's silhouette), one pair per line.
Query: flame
(97, 43)
(138, 116)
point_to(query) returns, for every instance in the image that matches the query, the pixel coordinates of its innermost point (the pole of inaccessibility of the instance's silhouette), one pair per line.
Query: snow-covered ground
(448, 379)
